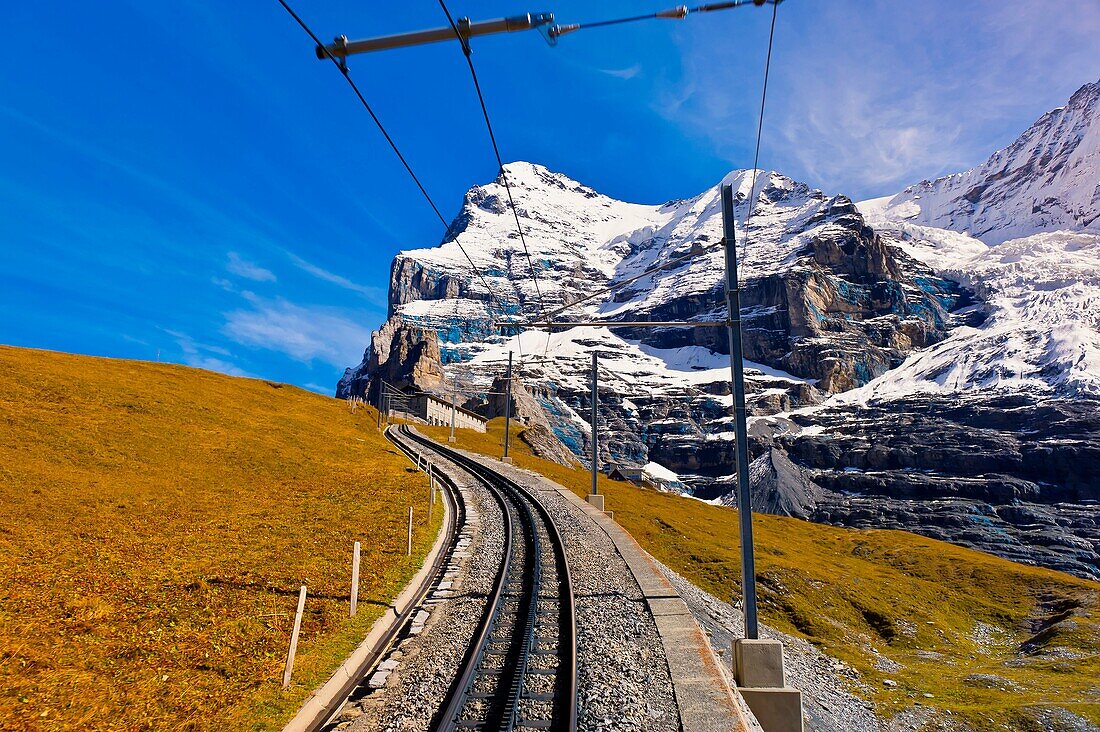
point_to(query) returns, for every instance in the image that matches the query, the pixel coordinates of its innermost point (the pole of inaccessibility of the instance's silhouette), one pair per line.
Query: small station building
(435, 410)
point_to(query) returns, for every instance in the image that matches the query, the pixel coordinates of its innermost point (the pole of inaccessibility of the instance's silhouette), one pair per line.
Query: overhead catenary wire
(678, 13)
(756, 161)
(690, 254)
(343, 68)
(466, 51)
(634, 278)
(759, 134)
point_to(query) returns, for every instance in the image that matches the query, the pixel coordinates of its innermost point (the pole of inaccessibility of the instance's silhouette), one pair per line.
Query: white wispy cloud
(868, 96)
(627, 73)
(375, 295)
(206, 356)
(306, 333)
(249, 270)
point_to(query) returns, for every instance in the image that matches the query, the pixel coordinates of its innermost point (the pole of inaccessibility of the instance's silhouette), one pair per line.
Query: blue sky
(185, 181)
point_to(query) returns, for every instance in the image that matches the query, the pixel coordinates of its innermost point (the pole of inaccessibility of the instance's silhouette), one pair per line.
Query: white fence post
(354, 579)
(294, 637)
(409, 550)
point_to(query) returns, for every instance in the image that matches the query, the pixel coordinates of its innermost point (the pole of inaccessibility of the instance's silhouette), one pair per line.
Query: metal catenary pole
(737, 366)
(507, 404)
(595, 432)
(466, 29)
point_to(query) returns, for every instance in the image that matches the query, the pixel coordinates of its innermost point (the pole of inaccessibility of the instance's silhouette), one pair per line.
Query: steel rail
(458, 695)
(565, 702)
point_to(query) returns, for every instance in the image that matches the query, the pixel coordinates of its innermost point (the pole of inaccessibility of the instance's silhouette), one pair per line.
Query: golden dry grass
(877, 598)
(156, 522)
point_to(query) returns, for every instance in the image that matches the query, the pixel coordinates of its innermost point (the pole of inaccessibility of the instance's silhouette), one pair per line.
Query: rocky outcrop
(545, 444)
(845, 308)
(411, 280)
(1013, 475)
(526, 410)
(996, 448)
(779, 487)
(400, 354)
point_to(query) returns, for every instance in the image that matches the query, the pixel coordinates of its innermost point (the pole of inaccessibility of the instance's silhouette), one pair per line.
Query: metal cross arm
(342, 47)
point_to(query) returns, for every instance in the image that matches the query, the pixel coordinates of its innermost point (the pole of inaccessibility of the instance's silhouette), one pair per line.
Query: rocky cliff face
(1006, 472)
(826, 298)
(399, 354)
(900, 374)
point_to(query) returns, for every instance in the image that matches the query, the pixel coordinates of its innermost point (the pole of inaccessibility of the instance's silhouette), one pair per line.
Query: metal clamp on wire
(341, 42)
(464, 34)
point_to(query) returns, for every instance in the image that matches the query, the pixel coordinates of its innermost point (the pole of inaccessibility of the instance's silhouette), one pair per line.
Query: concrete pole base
(758, 667)
(596, 499)
(777, 710)
(451, 440)
(507, 460)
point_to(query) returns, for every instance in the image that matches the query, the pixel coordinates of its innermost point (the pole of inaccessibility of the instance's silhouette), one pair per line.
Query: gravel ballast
(623, 680)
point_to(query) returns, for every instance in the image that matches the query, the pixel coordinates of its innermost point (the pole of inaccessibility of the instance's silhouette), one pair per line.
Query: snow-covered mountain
(1047, 180)
(902, 374)
(824, 297)
(1041, 329)
(1039, 292)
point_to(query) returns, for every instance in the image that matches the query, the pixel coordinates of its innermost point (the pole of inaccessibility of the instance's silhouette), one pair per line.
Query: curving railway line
(520, 671)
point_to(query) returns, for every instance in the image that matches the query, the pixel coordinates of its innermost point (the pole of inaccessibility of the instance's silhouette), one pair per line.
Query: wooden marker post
(431, 494)
(409, 550)
(354, 579)
(294, 637)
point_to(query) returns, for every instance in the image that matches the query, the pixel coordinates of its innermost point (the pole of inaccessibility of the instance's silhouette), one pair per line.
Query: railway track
(400, 628)
(520, 671)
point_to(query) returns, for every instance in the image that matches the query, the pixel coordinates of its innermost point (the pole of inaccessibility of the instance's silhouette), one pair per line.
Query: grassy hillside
(892, 605)
(156, 522)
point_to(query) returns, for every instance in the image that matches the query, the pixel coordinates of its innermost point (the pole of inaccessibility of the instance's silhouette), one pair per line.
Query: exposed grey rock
(779, 487)
(546, 445)
(1013, 475)
(400, 354)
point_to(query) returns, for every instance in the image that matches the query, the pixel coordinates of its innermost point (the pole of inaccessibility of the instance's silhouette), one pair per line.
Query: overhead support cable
(678, 13)
(464, 39)
(541, 22)
(759, 134)
(627, 324)
(634, 278)
(341, 64)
